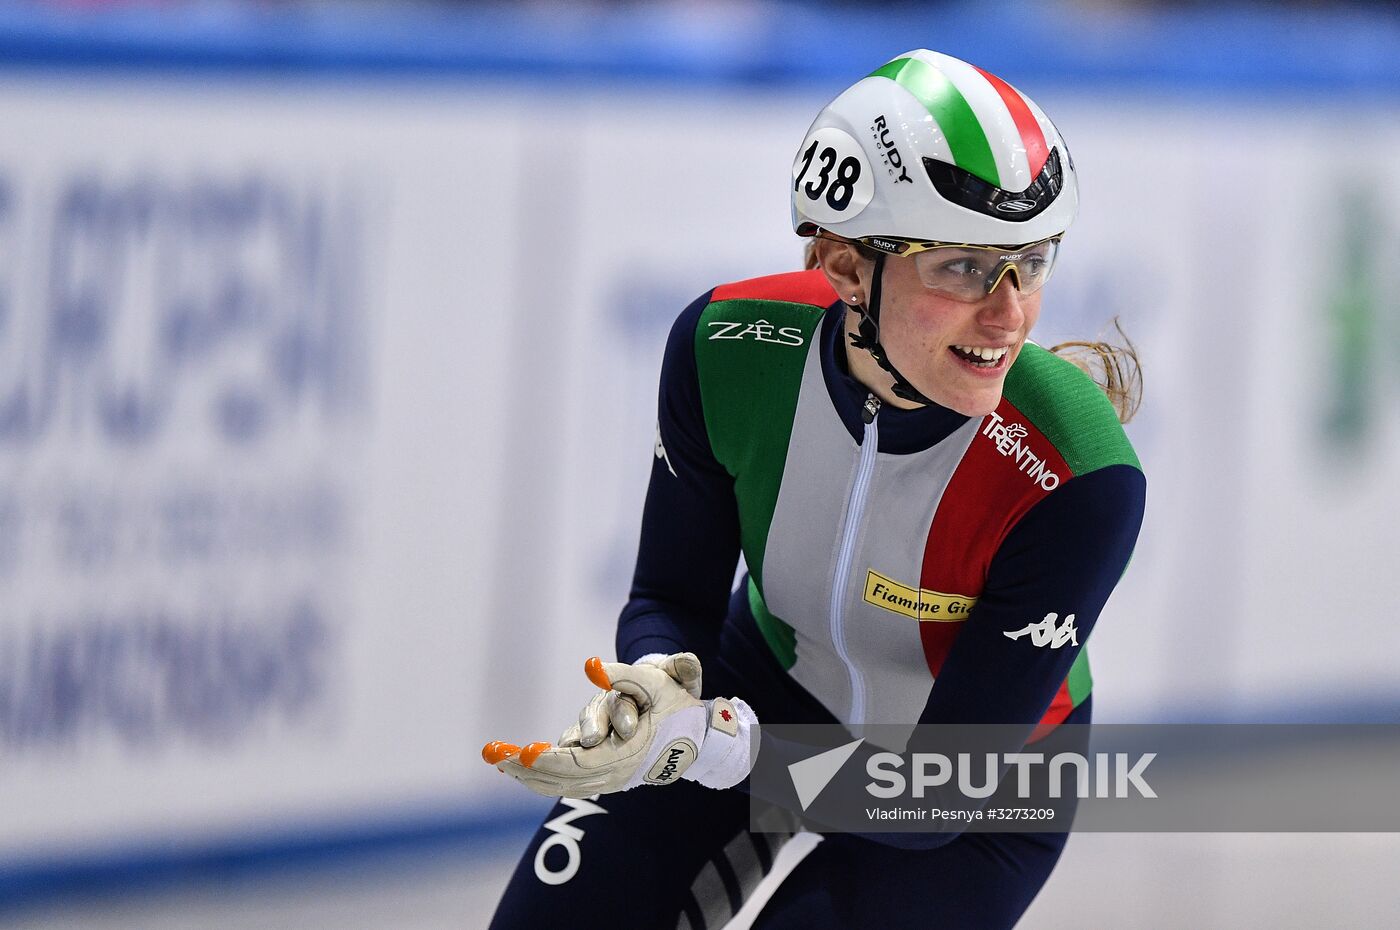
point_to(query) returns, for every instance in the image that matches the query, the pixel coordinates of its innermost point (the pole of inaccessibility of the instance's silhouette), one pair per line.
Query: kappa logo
(1010, 440)
(566, 836)
(760, 331)
(661, 451)
(1046, 633)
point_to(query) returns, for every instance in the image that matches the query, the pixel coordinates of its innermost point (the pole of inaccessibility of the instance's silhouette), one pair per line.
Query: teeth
(983, 352)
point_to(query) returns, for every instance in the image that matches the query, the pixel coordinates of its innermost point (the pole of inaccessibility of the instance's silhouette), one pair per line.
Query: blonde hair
(1116, 369)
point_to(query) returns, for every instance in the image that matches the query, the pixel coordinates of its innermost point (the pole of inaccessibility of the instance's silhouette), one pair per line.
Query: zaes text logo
(760, 331)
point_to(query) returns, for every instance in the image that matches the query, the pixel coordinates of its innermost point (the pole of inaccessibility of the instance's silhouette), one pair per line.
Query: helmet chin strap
(869, 338)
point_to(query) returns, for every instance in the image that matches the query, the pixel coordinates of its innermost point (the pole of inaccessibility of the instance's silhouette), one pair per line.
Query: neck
(866, 370)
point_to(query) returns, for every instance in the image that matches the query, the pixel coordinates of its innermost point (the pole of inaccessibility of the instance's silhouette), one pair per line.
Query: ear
(844, 268)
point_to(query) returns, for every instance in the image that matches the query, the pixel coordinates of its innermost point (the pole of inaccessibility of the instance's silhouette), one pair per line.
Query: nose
(1001, 308)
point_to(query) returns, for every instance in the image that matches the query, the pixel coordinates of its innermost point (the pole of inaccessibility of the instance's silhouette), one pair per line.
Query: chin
(979, 405)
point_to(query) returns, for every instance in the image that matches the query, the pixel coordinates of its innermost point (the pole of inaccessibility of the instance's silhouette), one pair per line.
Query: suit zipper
(841, 582)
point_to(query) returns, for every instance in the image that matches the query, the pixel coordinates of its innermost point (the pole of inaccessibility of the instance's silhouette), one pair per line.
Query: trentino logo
(1012, 440)
(811, 776)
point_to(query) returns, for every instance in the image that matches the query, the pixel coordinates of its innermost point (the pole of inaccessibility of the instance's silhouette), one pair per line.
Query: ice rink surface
(1167, 881)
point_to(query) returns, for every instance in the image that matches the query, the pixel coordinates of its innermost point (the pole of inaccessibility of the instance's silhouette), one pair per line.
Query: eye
(962, 268)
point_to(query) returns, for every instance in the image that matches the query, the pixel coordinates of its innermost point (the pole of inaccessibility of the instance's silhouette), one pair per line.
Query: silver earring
(855, 298)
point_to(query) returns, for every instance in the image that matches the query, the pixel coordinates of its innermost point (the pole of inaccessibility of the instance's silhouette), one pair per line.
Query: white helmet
(933, 149)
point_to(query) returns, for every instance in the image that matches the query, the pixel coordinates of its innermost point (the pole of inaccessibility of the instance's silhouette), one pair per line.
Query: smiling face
(956, 354)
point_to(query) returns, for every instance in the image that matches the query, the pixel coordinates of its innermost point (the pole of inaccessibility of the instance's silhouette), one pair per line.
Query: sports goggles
(970, 272)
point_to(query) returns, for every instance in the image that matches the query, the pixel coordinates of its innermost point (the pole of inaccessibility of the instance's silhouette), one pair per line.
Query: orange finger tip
(593, 668)
(497, 751)
(530, 753)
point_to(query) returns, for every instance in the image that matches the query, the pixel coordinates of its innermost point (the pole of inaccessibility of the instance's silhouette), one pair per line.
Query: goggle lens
(969, 273)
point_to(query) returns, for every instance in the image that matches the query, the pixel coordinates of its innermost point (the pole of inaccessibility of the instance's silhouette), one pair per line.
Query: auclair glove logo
(673, 761)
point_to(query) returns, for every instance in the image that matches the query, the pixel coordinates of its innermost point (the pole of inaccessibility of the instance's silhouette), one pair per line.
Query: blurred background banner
(329, 336)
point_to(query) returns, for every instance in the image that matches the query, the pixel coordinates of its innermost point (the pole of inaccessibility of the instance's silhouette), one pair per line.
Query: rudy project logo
(886, 245)
(1010, 441)
(880, 131)
(920, 604)
(811, 776)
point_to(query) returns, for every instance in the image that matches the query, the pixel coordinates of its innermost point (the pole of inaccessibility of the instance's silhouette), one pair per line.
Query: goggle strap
(869, 339)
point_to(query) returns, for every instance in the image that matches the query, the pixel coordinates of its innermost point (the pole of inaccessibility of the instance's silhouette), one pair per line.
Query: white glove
(614, 712)
(676, 736)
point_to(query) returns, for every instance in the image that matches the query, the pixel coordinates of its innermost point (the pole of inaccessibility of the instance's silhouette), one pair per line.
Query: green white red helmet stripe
(949, 108)
(1037, 152)
(995, 120)
(975, 110)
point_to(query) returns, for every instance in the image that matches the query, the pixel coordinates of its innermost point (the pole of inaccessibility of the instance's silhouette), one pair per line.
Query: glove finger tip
(597, 673)
(624, 720)
(498, 751)
(532, 752)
